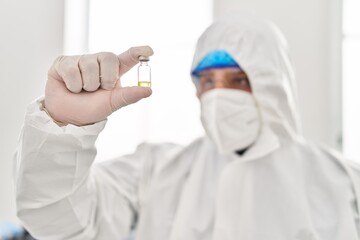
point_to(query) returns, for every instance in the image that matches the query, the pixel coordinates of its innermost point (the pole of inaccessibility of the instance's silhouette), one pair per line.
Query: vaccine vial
(144, 72)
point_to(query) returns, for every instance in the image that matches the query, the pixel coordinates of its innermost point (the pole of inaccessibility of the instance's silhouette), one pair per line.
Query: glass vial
(144, 72)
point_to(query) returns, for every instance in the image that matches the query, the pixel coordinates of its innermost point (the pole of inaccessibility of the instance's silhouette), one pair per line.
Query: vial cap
(143, 59)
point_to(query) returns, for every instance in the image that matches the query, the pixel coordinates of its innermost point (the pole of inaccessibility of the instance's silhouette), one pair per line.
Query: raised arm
(59, 194)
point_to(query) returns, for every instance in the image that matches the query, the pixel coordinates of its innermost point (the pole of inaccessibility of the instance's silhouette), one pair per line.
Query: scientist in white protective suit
(252, 177)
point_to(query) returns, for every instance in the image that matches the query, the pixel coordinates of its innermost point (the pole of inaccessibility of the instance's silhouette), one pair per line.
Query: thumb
(124, 96)
(130, 58)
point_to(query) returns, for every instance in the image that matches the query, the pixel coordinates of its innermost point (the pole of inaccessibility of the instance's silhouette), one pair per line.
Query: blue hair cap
(215, 59)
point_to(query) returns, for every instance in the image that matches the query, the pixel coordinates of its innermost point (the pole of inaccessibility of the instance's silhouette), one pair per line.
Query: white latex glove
(86, 89)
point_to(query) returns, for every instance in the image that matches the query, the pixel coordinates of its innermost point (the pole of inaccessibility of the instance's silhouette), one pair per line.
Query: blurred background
(323, 36)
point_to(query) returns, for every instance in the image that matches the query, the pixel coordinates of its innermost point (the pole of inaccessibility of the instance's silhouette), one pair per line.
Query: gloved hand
(85, 89)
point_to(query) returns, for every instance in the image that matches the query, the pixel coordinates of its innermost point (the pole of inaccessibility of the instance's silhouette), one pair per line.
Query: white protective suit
(282, 188)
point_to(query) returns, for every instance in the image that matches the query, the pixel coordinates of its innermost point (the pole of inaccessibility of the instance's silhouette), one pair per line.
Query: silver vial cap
(143, 59)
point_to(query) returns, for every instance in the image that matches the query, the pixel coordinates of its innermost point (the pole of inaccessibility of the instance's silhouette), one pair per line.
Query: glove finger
(89, 69)
(69, 72)
(130, 58)
(121, 97)
(109, 70)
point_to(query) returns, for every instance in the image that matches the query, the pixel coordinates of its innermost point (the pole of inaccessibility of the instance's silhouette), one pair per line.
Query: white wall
(31, 37)
(313, 31)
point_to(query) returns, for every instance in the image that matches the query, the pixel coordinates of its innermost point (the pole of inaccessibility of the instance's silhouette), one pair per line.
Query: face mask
(231, 119)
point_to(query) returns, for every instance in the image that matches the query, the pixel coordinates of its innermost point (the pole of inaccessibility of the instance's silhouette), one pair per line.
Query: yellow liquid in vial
(144, 84)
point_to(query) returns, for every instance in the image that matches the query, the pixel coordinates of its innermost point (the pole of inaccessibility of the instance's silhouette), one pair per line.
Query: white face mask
(231, 119)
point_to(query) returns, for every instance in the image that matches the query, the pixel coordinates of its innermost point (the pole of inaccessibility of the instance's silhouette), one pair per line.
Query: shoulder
(329, 154)
(169, 148)
(309, 153)
(310, 148)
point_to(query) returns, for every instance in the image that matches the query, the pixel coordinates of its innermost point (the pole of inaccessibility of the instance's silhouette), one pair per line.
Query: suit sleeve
(60, 193)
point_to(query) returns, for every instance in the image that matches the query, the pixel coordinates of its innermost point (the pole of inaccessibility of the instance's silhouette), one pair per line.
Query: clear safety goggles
(233, 78)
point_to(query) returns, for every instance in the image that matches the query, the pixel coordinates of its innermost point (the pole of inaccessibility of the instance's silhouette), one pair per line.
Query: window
(171, 28)
(351, 79)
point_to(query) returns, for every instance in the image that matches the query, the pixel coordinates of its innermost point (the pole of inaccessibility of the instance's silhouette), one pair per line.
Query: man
(253, 177)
